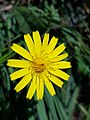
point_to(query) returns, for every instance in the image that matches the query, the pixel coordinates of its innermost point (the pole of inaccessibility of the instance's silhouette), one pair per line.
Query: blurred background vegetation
(69, 20)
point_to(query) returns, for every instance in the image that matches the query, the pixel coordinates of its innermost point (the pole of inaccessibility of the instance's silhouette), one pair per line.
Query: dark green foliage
(67, 20)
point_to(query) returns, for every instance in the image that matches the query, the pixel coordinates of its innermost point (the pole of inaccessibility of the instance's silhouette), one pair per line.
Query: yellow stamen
(38, 65)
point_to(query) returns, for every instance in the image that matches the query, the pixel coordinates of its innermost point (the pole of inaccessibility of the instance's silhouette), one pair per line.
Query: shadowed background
(70, 22)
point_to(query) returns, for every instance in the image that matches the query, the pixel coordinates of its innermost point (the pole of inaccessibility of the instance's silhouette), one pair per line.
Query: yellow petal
(60, 57)
(49, 85)
(25, 80)
(30, 44)
(20, 50)
(45, 41)
(18, 63)
(60, 74)
(51, 46)
(37, 41)
(41, 88)
(57, 51)
(38, 88)
(61, 65)
(19, 73)
(55, 80)
(32, 88)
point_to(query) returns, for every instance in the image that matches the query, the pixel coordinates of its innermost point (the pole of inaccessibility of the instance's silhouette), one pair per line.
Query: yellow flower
(41, 65)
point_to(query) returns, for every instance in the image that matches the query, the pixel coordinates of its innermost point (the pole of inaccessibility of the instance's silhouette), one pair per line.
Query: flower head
(41, 65)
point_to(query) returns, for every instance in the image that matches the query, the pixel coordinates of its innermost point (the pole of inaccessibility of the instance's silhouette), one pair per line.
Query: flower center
(38, 65)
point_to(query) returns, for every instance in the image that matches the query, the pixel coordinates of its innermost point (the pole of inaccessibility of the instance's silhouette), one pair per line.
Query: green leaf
(41, 110)
(72, 103)
(60, 109)
(23, 25)
(50, 103)
(88, 114)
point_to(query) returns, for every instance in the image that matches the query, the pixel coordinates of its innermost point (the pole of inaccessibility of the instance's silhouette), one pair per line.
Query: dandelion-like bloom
(41, 65)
